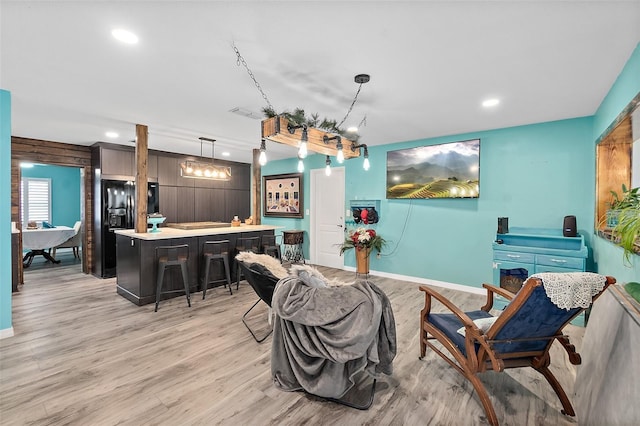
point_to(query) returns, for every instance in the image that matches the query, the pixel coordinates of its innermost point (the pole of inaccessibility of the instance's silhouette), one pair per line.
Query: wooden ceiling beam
(274, 129)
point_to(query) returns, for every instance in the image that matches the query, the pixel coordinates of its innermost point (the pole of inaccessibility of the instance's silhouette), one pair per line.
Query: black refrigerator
(118, 211)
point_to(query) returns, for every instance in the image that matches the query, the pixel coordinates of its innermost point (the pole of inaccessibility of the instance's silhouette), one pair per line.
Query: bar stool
(168, 256)
(215, 251)
(251, 244)
(270, 247)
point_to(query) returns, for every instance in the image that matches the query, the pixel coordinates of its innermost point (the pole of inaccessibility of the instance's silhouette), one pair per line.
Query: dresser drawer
(514, 256)
(561, 261)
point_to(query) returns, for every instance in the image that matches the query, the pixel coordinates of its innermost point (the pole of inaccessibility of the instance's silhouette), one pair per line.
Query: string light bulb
(365, 164)
(327, 169)
(262, 159)
(340, 156)
(302, 150)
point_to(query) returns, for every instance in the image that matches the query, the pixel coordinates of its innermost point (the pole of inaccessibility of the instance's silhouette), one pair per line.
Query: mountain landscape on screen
(448, 170)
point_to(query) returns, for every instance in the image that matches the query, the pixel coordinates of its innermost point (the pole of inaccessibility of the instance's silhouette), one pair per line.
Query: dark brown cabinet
(169, 202)
(186, 202)
(167, 170)
(117, 162)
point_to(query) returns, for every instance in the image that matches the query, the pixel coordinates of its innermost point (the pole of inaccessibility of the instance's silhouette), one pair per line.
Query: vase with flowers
(363, 241)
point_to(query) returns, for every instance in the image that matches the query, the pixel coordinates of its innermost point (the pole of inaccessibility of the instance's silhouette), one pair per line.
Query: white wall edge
(427, 281)
(6, 332)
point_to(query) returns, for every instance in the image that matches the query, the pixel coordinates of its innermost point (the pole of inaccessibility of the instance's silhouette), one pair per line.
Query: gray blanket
(324, 336)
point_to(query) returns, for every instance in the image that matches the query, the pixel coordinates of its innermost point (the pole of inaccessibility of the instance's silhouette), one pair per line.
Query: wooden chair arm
(473, 334)
(453, 308)
(493, 289)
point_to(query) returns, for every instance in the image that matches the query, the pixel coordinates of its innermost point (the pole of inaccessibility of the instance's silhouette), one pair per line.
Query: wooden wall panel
(613, 166)
(59, 154)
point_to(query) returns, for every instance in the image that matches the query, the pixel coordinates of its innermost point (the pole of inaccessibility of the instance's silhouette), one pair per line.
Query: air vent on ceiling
(246, 113)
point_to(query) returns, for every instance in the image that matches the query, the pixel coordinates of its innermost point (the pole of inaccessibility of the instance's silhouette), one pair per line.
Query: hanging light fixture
(201, 170)
(300, 165)
(327, 169)
(339, 152)
(302, 151)
(262, 159)
(365, 164)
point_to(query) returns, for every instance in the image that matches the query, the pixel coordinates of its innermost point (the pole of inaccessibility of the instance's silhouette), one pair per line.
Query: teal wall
(608, 256)
(535, 175)
(5, 211)
(65, 191)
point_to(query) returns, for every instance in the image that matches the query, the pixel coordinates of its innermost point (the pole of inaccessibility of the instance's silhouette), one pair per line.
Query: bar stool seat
(270, 247)
(215, 251)
(251, 244)
(168, 256)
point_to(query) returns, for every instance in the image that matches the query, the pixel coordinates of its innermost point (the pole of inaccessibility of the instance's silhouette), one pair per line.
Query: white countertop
(167, 233)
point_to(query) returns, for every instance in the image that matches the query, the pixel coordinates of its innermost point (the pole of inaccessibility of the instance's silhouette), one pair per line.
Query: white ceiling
(431, 65)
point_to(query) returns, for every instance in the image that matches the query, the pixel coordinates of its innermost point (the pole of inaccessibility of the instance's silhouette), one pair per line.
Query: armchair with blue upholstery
(521, 336)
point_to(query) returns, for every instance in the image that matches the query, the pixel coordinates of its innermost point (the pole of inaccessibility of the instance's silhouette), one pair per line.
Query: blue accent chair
(521, 336)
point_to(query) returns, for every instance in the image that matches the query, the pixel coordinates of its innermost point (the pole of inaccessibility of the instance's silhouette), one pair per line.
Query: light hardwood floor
(83, 355)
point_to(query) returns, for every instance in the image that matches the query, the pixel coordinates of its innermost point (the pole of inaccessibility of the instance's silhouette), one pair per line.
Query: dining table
(39, 241)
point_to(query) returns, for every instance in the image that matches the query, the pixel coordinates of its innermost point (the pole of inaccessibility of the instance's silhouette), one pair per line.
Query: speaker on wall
(569, 226)
(503, 225)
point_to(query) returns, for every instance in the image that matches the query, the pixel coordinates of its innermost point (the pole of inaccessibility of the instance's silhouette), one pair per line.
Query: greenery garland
(298, 118)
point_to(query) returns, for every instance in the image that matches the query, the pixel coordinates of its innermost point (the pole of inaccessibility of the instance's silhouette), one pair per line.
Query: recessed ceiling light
(124, 36)
(111, 135)
(490, 102)
(226, 154)
(352, 129)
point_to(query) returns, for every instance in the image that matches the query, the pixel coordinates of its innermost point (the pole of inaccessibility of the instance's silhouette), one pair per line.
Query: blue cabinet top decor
(541, 241)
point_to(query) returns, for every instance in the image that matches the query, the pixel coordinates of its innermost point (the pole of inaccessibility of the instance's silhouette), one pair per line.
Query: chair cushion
(482, 323)
(450, 323)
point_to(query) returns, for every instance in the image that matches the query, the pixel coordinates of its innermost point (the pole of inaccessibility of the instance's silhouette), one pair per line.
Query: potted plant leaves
(626, 231)
(628, 198)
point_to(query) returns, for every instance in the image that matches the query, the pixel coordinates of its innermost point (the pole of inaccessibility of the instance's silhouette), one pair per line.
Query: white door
(327, 217)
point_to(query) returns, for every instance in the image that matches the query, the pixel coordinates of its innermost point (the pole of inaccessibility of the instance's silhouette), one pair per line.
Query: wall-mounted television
(448, 170)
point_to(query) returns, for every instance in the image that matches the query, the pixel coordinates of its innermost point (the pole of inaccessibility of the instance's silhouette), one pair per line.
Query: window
(36, 200)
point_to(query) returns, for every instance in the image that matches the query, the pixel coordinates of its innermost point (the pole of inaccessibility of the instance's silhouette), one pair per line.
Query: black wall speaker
(569, 226)
(503, 225)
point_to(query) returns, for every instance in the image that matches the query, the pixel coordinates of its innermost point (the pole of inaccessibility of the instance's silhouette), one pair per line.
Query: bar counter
(136, 271)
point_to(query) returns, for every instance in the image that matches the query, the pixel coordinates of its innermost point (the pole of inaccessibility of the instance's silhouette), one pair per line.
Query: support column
(256, 188)
(142, 133)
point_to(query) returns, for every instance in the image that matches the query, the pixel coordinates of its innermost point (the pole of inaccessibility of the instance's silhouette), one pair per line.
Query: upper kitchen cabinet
(167, 170)
(114, 161)
(119, 162)
(152, 167)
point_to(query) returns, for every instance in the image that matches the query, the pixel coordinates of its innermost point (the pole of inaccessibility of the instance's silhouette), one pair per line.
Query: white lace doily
(570, 290)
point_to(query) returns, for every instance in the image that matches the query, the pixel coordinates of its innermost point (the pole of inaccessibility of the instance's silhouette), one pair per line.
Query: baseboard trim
(427, 281)
(6, 332)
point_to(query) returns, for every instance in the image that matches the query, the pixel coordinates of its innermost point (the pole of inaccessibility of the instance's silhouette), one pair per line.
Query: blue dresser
(527, 251)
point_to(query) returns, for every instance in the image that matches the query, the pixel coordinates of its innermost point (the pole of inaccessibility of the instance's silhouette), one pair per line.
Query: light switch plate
(307, 212)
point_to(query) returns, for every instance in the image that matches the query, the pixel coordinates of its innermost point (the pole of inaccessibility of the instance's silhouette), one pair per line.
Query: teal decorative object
(155, 221)
(633, 289)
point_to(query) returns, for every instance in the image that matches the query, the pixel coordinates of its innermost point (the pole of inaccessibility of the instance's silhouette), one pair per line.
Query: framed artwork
(283, 195)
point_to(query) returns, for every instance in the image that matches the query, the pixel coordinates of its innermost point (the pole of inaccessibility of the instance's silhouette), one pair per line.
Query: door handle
(339, 226)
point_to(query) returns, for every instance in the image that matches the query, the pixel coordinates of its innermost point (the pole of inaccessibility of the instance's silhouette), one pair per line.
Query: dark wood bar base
(136, 273)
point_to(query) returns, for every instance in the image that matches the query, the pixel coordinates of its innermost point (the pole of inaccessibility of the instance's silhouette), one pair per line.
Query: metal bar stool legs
(215, 251)
(251, 244)
(172, 256)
